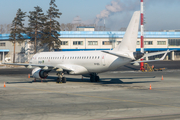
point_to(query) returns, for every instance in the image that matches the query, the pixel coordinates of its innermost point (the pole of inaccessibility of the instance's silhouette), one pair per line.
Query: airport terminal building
(88, 39)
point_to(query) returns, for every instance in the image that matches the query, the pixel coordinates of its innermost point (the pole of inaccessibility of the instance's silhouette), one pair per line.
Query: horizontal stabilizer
(118, 54)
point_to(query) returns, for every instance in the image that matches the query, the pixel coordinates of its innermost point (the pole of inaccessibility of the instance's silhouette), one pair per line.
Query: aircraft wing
(46, 67)
(153, 54)
(31, 65)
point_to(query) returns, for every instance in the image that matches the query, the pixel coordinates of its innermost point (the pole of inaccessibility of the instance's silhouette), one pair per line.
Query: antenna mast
(142, 35)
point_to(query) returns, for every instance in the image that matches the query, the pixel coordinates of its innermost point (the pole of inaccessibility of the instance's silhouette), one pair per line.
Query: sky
(159, 14)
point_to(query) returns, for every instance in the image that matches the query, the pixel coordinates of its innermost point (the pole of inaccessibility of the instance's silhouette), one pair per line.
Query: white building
(98, 40)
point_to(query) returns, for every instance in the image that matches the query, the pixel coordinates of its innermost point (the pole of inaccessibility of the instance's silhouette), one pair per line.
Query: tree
(52, 26)
(63, 27)
(36, 23)
(17, 29)
(2, 30)
(5, 28)
(69, 26)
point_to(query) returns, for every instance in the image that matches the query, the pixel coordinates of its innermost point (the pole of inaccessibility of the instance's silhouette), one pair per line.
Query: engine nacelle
(138, 55)
(39, 73)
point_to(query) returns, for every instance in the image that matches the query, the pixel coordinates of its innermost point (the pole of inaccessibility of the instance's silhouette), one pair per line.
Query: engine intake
(39, 73)
(138, 55)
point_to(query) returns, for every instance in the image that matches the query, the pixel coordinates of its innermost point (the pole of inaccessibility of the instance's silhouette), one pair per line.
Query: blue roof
(4, 50)
(6, 36)
(105, 34)
(137, 49)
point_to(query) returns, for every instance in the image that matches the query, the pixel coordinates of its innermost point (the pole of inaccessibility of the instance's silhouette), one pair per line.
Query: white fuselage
(84, 61)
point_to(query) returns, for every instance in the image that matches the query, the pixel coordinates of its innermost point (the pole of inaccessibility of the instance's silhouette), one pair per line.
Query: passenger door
(103, 62)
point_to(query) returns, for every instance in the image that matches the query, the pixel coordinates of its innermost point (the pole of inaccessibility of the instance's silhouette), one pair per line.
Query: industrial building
(88, 39)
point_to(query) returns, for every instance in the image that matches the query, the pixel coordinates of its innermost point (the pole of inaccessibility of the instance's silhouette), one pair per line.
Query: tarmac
(119, 95)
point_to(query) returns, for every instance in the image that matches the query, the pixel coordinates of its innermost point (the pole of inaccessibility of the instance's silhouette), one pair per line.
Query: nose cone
(138, 55)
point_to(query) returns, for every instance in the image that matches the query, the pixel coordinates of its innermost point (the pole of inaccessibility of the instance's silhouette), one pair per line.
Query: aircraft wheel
(63, 80)
(91, 78)
(97, 78)
(58, 80)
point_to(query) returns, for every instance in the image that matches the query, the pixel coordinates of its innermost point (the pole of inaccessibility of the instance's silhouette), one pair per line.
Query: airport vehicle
(90, 63)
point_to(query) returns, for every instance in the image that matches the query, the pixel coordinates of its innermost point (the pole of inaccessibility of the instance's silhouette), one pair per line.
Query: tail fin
(130, 38)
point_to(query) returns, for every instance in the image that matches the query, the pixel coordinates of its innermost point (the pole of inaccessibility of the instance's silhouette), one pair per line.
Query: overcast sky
(159, 14)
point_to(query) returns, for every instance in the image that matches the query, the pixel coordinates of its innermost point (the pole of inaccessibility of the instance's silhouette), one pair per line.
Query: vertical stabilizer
(130, 38)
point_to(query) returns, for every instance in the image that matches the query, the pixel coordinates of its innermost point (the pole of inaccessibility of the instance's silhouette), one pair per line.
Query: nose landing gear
(60, 78)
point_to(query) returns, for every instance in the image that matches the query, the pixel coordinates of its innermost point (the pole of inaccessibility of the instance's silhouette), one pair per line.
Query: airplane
(90, 63)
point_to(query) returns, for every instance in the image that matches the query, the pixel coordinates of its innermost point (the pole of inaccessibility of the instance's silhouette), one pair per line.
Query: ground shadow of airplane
(102, 80)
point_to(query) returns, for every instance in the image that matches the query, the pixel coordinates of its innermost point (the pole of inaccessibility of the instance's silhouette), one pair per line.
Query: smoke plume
(116, 6)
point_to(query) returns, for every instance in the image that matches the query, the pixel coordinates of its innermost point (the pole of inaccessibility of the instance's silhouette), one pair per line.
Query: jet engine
(138, 55)
(39, 73)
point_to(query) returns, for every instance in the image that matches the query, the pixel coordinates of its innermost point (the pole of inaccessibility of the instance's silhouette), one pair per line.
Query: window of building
(92, 42)
(161, 42)
(77, 42)
(64, 42)
(118, 42)
(148, 42)
(2, 44)
(138, 43)
(174, 42)
(106, 42)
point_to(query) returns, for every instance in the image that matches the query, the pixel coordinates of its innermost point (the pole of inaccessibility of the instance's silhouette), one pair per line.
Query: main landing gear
(60, 78)
(94, 77)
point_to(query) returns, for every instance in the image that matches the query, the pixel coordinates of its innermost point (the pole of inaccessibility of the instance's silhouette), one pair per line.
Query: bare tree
(2, 30)
(8, 28)
(5, 28)
(69, 26)
(63, 27)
